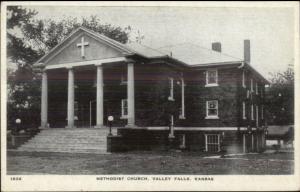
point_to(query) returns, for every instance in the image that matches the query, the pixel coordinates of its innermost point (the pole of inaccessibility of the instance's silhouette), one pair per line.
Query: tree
(280, 98)
(29, 39)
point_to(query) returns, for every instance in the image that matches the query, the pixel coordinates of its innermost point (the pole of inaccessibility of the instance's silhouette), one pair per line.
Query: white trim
(84, 63)
(217, 108)
(244, 110)
(171, 96)
(182, 115)
(207, 84)
(256, 88)
(256, 111)
(243, 79)
(198, 128)
(251, 85)
(252, 112)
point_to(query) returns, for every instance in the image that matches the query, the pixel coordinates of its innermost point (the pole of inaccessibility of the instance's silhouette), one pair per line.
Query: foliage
(27, 40)
(280, 98)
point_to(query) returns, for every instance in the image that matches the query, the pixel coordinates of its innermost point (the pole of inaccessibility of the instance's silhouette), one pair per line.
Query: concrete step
(59, 139)
(96, 151)
(63, 147)
(68, 140)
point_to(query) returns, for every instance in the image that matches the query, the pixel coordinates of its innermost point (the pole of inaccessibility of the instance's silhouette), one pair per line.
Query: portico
(98, 66)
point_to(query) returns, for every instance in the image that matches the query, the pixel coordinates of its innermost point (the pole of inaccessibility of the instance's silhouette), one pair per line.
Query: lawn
(35, 163)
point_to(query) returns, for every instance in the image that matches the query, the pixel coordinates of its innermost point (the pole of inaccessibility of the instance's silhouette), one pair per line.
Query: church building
(201, 99)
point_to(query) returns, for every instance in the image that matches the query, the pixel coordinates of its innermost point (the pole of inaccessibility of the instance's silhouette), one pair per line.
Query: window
(251, 85)
(244, 80)
(171, 82)
(252, 112)
(244, 110)
(124, 108)
(262, 112)
(211, 78)
(212, 142)
(212, 109)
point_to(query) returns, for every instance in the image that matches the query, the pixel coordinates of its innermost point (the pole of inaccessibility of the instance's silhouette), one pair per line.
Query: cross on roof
(82, 44)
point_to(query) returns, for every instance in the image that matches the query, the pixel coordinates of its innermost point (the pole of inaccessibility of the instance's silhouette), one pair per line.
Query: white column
(99, 99)
(130, 95)
(70, 98)
(44, 101)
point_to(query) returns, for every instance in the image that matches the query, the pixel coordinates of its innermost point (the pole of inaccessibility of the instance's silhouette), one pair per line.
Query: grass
(36, 163)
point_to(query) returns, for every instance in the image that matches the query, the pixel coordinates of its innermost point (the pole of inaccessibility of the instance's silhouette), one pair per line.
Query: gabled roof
(110, 41)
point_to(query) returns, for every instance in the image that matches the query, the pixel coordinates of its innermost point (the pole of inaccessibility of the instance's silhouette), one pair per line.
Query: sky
(270, 30)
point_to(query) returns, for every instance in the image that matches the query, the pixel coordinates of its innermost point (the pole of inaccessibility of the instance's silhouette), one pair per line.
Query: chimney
(247, 55)
(216, 46)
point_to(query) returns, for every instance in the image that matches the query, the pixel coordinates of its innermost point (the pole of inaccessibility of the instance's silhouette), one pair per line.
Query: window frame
(207, 141)
(207, 109)
(123, 115)
(244, 110)
(207, 84)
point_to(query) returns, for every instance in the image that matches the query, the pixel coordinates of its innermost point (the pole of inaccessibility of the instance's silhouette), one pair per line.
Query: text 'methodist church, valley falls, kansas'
(199, 99)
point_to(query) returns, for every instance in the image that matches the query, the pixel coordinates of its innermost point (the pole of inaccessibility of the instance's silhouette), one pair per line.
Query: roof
(145, 50)
(278, 129)
(188, 54)
(192, 54)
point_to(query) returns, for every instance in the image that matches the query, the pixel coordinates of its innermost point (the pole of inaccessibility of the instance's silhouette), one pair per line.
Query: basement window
(211, 78)
(124, 108)
(212, 109)
(212, 142)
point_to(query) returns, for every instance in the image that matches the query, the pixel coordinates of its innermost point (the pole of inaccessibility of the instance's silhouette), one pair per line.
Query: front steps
(76, 140)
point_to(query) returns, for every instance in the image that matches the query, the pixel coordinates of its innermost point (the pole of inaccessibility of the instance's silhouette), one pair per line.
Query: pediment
(83, 46)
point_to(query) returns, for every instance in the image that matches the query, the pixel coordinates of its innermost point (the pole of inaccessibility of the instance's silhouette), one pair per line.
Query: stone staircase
(76, 140)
